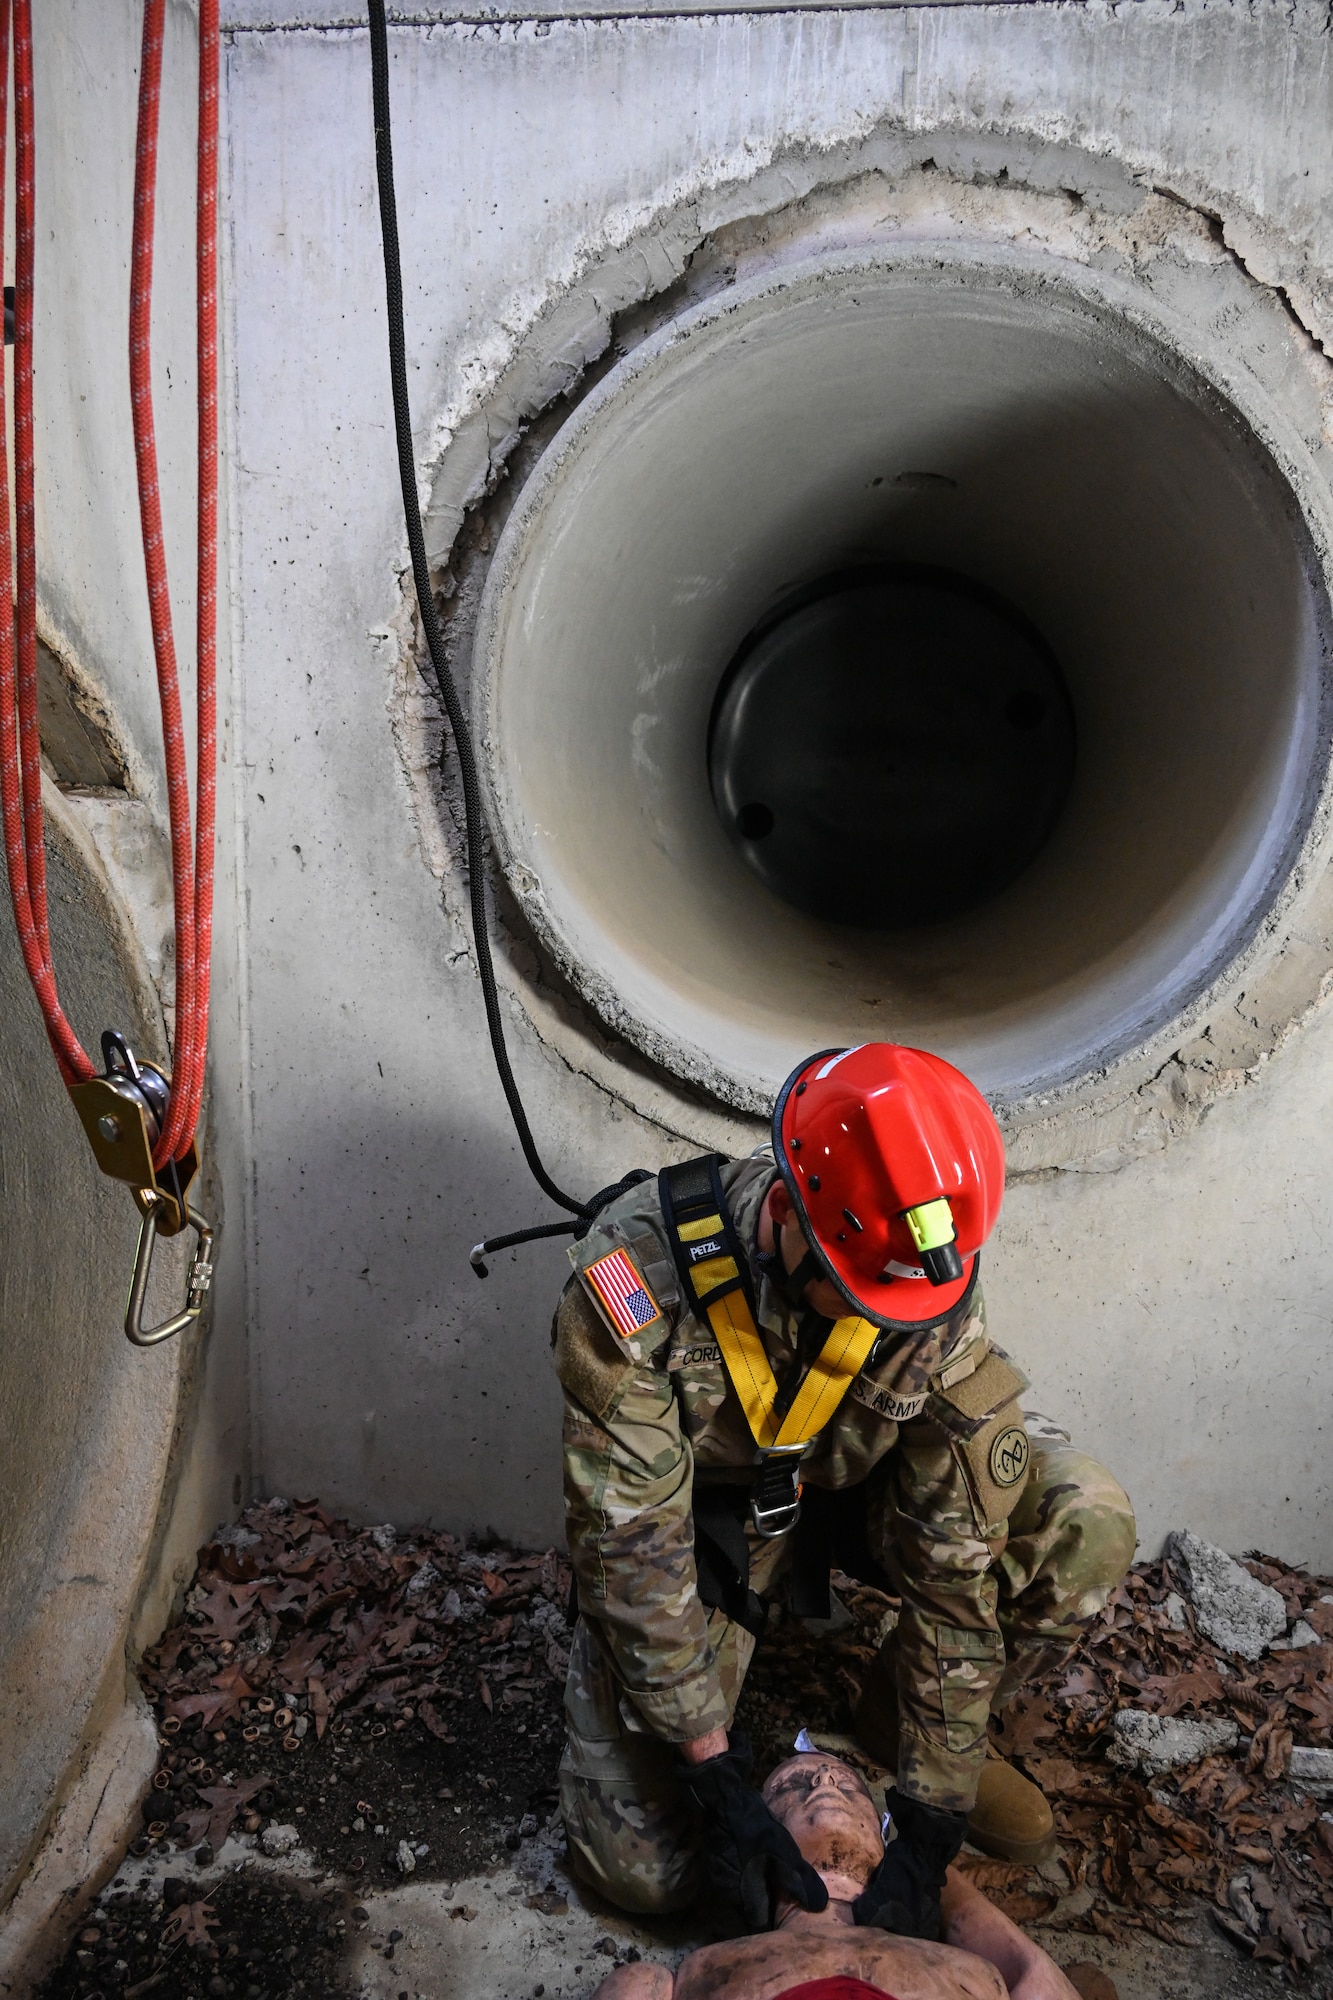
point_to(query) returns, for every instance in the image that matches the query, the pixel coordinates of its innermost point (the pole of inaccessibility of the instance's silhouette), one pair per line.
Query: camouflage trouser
(632, 1827)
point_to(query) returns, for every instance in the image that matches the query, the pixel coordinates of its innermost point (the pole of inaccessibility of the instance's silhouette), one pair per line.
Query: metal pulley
(122, 1113)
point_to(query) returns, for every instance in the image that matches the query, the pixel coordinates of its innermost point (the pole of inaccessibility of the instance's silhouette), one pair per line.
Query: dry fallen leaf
(1090, 1982)
(189, 1924)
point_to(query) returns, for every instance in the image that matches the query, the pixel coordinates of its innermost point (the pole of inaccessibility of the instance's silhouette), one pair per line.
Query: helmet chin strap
(809, 1271)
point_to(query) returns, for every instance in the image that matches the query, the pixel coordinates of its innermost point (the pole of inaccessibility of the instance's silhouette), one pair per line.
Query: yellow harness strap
(707, 1258)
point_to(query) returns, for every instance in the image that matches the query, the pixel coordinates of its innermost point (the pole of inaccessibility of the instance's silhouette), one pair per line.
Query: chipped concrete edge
(84, 1842)
(1061, 201)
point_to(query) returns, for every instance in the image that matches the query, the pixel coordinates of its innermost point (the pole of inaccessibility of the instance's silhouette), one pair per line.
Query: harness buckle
(775, 1498)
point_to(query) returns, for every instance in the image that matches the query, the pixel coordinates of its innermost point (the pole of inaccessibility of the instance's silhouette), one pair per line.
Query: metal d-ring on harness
(714, 1274)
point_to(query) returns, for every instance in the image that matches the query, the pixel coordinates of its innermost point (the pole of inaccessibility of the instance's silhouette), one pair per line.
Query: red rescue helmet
(895, 1166)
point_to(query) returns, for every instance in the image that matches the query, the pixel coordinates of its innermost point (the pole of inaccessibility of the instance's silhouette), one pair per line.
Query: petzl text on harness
(715, 1276)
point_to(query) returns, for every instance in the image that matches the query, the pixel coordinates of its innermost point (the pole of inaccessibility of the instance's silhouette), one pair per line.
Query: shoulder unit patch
(622, 1293)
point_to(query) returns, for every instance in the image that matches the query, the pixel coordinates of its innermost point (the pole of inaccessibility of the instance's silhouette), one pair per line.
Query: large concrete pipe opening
(921, 651)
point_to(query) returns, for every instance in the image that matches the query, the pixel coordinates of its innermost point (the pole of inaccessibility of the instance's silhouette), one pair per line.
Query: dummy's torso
(765, 1968)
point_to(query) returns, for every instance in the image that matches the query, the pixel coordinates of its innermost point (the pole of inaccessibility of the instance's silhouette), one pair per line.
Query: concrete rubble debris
(1312, 1770)
(1154, 1744)
(1234, 1610)
(1302, 1634)
(424, 1580)
(279, 1840)
(405, 1859)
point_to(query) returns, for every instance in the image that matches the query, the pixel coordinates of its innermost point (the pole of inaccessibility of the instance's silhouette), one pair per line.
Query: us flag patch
(628, 1302)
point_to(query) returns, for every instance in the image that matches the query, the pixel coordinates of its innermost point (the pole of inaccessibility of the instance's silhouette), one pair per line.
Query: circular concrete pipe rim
(659, 1010)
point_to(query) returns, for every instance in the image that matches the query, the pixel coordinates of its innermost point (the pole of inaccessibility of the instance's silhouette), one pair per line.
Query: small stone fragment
(278, 1840)
(1302, 1634)
(1152, 1744)
(425, 1580)
(384, 1537)
(405, 1860)
(1232, 1608)
(1312, 1770)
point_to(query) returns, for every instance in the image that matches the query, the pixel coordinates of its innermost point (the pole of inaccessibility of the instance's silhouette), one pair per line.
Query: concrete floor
(527, 1929)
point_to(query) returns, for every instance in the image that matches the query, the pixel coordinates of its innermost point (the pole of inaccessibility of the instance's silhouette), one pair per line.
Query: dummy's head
(829, 1813)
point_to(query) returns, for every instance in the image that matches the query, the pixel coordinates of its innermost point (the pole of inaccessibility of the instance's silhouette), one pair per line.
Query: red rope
(20, 751)
(207, 602)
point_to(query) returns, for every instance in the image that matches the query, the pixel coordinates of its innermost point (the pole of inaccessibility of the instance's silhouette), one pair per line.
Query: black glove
(752, 1856)
(903, 1894)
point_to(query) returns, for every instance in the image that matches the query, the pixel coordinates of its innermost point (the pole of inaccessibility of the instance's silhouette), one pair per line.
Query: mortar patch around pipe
(1163, 270)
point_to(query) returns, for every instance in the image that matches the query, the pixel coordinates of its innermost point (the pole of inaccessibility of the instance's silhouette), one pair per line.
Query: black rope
(591, 1210)
(467, 764)
(481, 1251)
(453, 707)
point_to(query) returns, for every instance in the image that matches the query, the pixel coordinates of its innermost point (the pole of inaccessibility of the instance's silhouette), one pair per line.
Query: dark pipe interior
(891, 747)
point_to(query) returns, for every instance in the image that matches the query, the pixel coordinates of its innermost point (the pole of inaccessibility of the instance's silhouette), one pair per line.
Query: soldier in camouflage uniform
(1001, 1539)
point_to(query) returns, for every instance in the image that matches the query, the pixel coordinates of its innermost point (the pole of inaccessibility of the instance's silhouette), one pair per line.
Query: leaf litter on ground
(1231, 1834)
(331, 1677)
(358, 1687)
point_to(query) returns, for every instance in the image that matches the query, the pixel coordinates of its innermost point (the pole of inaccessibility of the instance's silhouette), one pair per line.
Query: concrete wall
(1162, 1277)
(93, 602)
(570, 180)
(113, 1462)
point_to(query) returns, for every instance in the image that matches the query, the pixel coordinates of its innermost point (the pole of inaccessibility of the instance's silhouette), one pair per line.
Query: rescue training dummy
(770, 1365)
(834, 1954)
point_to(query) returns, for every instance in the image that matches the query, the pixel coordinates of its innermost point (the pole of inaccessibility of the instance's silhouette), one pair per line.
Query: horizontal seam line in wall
(520, 17)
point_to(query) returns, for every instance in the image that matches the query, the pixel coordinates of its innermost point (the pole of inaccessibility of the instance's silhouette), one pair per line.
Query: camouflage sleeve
(950, 1652)
(628, 1491)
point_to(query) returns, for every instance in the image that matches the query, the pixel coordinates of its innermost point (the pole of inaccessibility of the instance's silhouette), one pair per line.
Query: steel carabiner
(197, 1282)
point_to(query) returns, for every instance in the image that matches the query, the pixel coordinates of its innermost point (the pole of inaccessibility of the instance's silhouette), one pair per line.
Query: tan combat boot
(1010, 1819)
